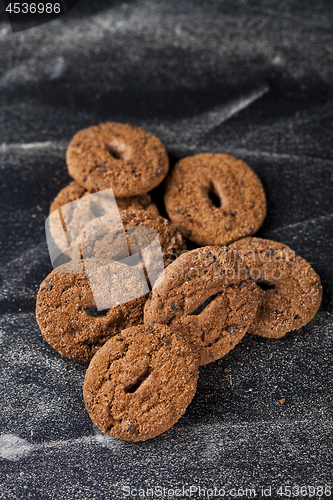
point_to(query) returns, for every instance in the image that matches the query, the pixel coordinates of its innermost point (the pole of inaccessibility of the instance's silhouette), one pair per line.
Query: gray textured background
(249, 78)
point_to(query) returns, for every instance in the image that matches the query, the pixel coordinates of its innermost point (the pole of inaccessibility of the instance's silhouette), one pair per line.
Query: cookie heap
(144, 354)
(130, 161)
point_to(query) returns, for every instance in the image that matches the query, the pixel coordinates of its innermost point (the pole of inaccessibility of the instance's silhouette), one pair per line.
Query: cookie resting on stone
(290, 290)
(140, 382)
(118, 156)
(214, 199)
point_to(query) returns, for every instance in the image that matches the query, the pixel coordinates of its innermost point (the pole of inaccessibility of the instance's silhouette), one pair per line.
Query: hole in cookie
(214, 196)
(265, 286)
(135, 383)
(116, 153)
(203, 306)
(97, 209)
(93, 311)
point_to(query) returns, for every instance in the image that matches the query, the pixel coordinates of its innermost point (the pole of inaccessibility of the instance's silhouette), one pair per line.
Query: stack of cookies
(144, 354)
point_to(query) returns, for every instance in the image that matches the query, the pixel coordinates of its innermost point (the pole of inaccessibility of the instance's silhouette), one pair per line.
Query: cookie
(64, 226)
(66, 309)
(118, 156)
(207, 295)
(67, 194)
(74, 191)
(140, 382)
(100, 241)
(290, 290)
(214, 199)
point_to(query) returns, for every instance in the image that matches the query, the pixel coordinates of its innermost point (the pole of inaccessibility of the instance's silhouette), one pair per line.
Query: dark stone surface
(253, 79)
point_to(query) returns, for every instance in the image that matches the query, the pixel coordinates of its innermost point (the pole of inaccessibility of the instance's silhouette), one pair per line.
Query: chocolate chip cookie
(290, 290)
(140, 382)
(208, 296)
(99, 240)
(214, 199)
(66, 308)
(65, 225)
(118, 156)
(74, 191)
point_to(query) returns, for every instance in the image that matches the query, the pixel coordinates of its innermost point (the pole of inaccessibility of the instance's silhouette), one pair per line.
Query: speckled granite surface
(253, 79)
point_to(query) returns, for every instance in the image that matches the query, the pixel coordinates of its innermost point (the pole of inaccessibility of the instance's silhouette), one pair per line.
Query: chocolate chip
(173, 410)
(210, 254)
(93, 311)
(101, 170)
(271, 252)
(131, 429)
(243, 284)
(158, 170)
(297, 317)
(174, 307)
(231, 329)
(233, 213)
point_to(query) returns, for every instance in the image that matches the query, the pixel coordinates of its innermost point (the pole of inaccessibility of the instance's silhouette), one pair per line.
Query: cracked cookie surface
(140, 382)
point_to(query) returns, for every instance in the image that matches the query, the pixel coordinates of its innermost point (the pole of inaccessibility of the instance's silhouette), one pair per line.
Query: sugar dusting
(13, 447)
(174, 67)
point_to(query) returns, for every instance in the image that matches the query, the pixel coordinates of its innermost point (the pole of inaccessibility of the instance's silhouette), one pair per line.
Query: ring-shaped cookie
(74, 192)
(214, 199)
(207, 295)
(66, 310)
(118, 156)
(140, 382)
(97, 241)
(290, 290)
